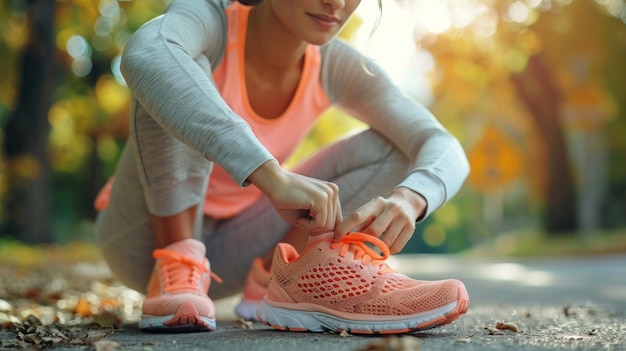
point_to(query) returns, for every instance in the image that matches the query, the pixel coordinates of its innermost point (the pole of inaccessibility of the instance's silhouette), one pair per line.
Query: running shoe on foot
(346, 285)
(176, 298)
(256, 288)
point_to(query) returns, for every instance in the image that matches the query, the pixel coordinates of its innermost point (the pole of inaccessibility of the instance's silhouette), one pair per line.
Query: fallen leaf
(8, 321)
(393, 343)
(106, 345)
(31, 320)
(106, 320)
(243, 324)
(508, 326)
(92, 337)
(109, 304)
(5, 306)
(83, 308)
(51, 340)
(494, 331)
(344, 334)
(569, 311)
(33, 338)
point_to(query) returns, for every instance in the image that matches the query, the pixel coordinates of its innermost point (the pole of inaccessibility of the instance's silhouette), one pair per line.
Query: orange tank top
(225, 198)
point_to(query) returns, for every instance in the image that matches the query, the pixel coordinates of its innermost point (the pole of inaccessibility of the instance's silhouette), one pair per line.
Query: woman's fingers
(314, 204)
(326, 211)
(302, 201)
(360, 220)
(380, 217)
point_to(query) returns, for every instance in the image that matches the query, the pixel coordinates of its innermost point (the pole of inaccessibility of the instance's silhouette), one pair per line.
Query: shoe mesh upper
(256, 282)
(323, 277)
(181, 273)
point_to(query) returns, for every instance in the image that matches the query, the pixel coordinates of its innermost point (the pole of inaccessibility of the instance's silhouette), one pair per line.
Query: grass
(539, 244)
(15, 253)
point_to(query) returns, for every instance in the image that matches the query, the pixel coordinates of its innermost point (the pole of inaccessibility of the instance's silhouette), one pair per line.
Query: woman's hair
(249, 2)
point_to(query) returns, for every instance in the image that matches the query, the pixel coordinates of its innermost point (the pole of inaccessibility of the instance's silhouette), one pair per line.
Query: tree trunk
(543, 100)
(28, 205)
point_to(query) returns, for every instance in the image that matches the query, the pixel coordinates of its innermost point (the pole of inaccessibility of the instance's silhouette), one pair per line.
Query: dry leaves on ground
(493, 331)
(501, 327)
(243, 324)
(32, 332)
(508, 326)
(51, 296)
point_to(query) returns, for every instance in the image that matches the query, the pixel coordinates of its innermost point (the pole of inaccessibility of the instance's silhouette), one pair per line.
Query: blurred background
(535, 90)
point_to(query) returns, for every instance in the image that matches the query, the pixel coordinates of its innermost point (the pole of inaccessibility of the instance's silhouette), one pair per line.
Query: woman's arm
(167, 65)
(439, 165)
(301, 201)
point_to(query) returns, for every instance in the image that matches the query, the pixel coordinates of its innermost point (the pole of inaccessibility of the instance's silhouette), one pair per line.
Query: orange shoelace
(357, 243)
(180, 272)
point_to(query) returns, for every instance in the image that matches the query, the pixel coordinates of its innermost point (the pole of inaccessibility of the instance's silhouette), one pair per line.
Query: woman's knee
(127, 252)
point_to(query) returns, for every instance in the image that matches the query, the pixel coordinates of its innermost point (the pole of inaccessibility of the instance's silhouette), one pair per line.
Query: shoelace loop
(357, 243)
(183, 272)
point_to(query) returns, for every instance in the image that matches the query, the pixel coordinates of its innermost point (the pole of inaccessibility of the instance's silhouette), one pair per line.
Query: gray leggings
(158, 174)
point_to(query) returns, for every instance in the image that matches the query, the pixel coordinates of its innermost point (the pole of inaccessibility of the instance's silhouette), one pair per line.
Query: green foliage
(472, 88)
(88, 118)
(532, 243)
(470, 83)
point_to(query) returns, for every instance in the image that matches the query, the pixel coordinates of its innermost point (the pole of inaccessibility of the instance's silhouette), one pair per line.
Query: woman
(223, 93)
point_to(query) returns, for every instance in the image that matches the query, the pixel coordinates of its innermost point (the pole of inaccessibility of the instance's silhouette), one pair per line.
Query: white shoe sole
(298, 320)
(247, 310)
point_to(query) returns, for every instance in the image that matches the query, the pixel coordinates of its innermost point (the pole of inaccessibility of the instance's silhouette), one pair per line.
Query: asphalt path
(556, 304)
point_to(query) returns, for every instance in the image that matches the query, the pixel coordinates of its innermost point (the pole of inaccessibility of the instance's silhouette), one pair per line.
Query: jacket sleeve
(167, 64)
(361, 88)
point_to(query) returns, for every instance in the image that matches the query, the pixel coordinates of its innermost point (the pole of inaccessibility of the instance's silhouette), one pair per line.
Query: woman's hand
(304, 202)
(392, 218)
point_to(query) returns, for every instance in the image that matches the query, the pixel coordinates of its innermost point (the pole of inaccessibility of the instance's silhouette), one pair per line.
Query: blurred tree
(64, 110)
(586, 62)
(26, 131)
(543, 99)
(509, 64)
(64, 117)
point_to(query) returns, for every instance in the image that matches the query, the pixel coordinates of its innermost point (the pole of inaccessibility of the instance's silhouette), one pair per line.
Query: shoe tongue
(189, 247)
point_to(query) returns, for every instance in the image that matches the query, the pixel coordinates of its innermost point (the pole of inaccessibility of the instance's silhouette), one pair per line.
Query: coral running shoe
(176, 298)
(346, 285)
(256, 287)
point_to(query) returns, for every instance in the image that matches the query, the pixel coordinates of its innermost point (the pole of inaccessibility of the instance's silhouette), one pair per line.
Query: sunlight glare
(77, 46)
(464, 14)
(537, 278)
(392, 44)
(505, 271)
(518, 12)
(533, 4)
(487, 25)
(434, 15)
(517, 273)
(615, 7)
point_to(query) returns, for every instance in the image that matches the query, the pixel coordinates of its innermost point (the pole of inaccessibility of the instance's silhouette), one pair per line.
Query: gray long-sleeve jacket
(168, 62)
